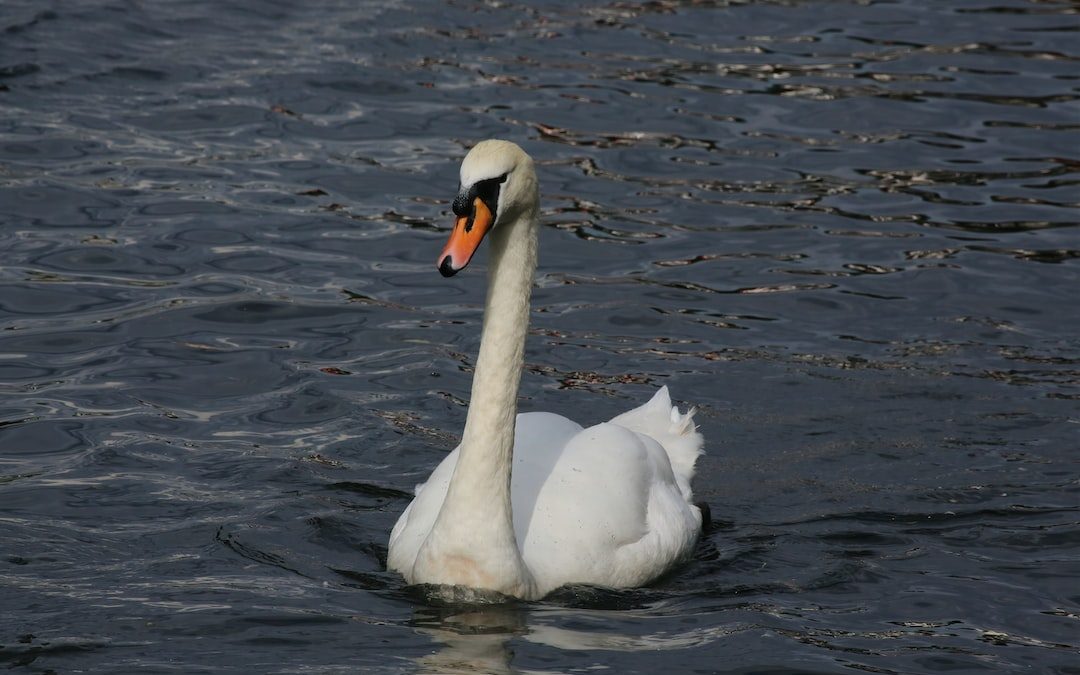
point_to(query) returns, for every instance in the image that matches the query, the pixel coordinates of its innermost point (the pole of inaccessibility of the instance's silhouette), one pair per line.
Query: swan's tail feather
(675, 431)
(682, 424)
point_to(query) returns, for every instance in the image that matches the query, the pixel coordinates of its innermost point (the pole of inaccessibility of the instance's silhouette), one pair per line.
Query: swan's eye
(486, 190)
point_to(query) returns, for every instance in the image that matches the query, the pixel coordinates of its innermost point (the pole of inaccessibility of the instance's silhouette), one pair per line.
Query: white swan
(609, 505)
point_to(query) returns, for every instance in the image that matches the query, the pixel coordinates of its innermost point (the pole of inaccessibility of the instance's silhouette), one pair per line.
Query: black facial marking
(463, 203)
(487, 190)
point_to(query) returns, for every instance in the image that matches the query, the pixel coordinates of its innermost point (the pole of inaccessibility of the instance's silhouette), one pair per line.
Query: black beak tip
(446, 267)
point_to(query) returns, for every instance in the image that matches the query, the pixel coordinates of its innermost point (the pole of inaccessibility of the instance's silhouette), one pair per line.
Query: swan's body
(530, 502)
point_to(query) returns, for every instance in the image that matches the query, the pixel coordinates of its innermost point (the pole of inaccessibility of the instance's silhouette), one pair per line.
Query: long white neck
(472, 542)
(488, 439)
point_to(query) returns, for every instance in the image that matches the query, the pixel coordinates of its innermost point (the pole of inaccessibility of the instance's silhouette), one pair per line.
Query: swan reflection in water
(480, 638)
(472, 639)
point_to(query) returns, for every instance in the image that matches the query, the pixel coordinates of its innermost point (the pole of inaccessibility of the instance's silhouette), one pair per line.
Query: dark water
(846, 231)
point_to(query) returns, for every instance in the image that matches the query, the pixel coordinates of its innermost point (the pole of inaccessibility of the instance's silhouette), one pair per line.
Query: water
(846, 231)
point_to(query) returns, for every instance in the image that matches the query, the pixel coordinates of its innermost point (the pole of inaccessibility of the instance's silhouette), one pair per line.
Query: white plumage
(524, 508)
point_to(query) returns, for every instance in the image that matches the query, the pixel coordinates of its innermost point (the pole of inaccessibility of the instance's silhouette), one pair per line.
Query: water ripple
(849, 237)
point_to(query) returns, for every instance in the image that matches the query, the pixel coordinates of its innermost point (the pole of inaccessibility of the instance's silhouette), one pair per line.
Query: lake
(846, 231)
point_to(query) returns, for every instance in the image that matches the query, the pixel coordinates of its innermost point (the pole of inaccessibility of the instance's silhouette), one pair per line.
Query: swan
(530, 502)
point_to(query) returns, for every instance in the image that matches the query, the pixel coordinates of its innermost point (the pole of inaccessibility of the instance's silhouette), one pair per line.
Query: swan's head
(498, 182)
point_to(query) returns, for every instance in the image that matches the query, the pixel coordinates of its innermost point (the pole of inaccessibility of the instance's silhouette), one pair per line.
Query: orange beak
(468, 232)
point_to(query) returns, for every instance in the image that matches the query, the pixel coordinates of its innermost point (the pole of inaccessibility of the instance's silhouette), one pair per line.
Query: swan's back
(607, 505)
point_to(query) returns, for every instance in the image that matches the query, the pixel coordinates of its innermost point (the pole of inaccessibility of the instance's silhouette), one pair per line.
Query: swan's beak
(468, 232)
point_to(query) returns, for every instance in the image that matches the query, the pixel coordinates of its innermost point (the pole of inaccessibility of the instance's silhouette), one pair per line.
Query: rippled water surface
(846, 231)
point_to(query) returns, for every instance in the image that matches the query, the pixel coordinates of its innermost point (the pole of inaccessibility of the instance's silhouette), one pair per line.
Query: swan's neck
(472, 542)
(488, 439)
